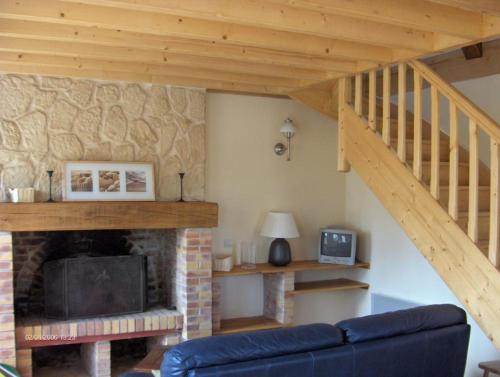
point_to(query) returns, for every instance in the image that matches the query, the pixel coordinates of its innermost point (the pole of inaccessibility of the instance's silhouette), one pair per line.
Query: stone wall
(46, 120)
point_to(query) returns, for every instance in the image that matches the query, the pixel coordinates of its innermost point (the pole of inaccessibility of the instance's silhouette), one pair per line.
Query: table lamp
(279, 225)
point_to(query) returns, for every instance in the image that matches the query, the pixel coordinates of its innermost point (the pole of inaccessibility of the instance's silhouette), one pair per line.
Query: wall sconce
(287, 130)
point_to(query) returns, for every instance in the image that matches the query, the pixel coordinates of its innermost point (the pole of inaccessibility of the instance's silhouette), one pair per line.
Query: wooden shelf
(19, 217)
(327, 286)
(236, 325)
(296, 266)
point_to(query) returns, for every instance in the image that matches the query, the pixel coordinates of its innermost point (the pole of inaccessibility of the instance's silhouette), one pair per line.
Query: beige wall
(247, 179)
(46, 120)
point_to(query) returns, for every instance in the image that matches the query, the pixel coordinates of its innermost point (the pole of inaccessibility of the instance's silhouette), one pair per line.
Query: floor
(119, 367)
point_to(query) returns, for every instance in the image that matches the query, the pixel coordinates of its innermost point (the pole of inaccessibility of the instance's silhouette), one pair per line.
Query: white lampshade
(288, 128)
(279, 225)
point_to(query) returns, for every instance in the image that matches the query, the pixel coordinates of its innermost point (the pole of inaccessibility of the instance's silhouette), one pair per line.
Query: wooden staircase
(437, 184)
(462, 190)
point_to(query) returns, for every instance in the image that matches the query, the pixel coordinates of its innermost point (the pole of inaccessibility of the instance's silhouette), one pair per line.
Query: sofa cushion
(212, 351)
(401, 322)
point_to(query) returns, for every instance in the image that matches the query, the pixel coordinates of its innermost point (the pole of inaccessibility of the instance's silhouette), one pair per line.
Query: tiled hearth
(185, 277)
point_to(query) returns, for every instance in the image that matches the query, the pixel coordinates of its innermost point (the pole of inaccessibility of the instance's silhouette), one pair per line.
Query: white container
(22, 195)
(223, 262)
(237, 254)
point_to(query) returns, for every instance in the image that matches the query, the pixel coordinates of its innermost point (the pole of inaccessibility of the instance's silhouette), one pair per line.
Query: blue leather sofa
(421, 342)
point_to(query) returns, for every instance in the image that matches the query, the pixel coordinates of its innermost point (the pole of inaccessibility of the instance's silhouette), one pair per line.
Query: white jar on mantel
(22, 195)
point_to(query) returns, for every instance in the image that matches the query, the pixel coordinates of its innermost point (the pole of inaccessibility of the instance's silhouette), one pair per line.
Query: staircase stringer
(459, 262)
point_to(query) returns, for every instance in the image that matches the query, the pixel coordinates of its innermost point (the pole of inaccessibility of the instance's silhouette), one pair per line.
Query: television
(337, 246)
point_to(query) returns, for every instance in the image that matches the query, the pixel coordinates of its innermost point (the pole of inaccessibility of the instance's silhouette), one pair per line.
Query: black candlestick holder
(50, 173)
(181, 175)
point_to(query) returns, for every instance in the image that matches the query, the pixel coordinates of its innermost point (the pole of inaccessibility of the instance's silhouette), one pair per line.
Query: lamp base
(279, 252)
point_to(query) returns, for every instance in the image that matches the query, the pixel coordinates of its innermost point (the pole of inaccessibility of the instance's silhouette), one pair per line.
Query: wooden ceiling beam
(274, 16)
(63, 71)
(54, 11)
(165, 58)
(152, 69)
(487, 6)
(421, 15)
(123, 39)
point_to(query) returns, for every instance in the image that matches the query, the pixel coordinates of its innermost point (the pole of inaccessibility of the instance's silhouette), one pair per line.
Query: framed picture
(91, 180)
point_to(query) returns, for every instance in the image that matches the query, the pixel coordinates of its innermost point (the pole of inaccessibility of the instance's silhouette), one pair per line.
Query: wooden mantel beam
(27, 217)
(282, 17)
(54, 11)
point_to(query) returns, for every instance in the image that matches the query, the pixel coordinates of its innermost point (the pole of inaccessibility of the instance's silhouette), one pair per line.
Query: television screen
(336, 244)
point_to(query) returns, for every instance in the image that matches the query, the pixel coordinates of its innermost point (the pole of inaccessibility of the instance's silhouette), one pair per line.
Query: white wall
(247, 179)
(398, 269)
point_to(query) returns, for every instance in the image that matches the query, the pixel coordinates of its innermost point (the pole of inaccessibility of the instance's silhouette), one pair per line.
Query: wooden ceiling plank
(264, 14)
(488, 6)
(81, 34)
(93, 51)
(9, 67)
(422, 15)
(160, 24)
(153, 69)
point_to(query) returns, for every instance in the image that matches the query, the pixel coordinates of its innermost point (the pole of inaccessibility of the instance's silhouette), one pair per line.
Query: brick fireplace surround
(193, 318)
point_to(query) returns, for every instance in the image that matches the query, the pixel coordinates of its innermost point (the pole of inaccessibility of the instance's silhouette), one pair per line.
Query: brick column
(7, 326)
(216, 305)
(194, 281)
(278, 304)
(96, 358)
(24, 363)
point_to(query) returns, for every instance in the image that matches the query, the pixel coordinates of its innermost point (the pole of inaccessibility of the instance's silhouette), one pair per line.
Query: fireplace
(175, 237)
(38, 249)
(85, 287)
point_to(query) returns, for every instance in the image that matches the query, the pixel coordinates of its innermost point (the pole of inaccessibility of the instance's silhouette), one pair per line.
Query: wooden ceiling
(255, 46)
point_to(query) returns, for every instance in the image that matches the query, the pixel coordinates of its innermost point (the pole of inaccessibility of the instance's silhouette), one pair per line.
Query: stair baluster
(435, 136)
(454, 160)
(402, 112)
(386, 106)
(372, 99)
(493, 254)
(417, 125)
(342, 164)
(358, 94)
(472, 227)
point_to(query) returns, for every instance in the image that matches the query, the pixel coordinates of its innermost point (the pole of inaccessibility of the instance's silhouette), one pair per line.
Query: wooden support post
(472, 228)
(493, 253)
(342, 164)
(386, 106)
(358, 94)
(435, 133)
(372, 99)
(417, 126)
(454, 160)
(402, 112)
